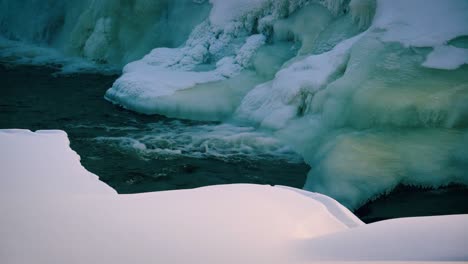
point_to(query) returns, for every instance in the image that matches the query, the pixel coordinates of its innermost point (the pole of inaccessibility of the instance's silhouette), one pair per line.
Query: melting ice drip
(371, 93)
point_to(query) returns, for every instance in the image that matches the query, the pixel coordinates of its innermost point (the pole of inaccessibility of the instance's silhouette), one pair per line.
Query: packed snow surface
(81, 220)
(27, 157)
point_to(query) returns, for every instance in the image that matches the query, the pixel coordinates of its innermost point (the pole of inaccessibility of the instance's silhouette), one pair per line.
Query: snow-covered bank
(43, 164)
(85, 222)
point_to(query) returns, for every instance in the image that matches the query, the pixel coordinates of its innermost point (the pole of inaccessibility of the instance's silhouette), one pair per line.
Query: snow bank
(81, 221)
(225, 11)
(221, 224)
(55, 211)
(446, 58)
(435, 238)
(175, 82)
(42, 163)
(421, 23)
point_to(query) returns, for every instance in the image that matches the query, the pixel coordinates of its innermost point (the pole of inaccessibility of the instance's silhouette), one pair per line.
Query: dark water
(407, 201)
(108, 139)
(33, 98)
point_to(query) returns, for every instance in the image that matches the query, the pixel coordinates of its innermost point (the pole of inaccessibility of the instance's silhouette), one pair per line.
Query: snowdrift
(68, 216)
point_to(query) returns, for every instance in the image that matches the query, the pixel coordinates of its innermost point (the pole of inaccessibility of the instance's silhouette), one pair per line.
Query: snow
(155, 84)
(145, 81)
(421, 23)
(225, 11)
(42, 163)
(81, 221)
(446, 58)
(219, 224)
(435, 238)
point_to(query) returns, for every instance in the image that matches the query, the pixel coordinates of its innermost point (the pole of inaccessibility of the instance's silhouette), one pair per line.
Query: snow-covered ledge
(54, 211)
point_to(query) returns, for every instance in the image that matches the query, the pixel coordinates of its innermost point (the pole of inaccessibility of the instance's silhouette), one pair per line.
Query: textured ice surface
(274, 103)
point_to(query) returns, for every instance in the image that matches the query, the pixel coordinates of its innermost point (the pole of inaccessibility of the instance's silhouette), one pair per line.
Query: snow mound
(435, 238)
(42, 163)
(47, 194)
(74, 218)
(421, 23)
(446, 58)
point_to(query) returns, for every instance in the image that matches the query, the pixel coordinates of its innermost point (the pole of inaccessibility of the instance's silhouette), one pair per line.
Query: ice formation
(105, 31)
(372, 93)
(54, 211)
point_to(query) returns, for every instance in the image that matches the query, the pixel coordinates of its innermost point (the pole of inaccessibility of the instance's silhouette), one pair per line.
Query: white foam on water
(168, 140)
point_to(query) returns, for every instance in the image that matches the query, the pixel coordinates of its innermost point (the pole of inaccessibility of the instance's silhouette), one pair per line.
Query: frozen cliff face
(372, 93)
(391, 118)
(108, 31)
(367, 110)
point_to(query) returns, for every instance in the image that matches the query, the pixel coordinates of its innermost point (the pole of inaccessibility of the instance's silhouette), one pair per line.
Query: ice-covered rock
(274, 103)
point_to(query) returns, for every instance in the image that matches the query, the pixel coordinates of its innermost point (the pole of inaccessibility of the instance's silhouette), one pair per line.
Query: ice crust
(54, 211)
